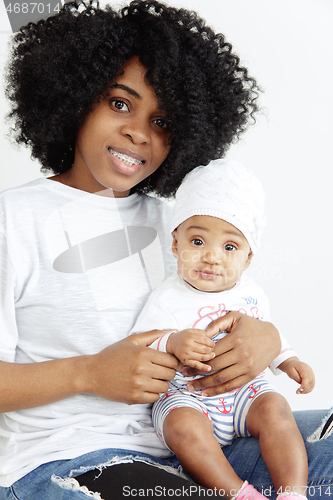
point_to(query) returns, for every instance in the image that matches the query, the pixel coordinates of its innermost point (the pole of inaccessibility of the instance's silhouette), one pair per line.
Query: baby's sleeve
(286, 352)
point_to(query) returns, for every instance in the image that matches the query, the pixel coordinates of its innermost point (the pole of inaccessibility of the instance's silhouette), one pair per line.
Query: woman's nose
(137, 131)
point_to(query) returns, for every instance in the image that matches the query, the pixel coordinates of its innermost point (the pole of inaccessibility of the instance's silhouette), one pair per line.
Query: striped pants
(227, 412)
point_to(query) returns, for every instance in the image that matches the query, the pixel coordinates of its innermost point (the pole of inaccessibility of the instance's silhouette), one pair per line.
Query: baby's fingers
(306, 386)
(307, 379)
(203, 348)
(302, 390)
(197, 361)
(197, 364)
(208, 357)
(203, 340)
(195, 357)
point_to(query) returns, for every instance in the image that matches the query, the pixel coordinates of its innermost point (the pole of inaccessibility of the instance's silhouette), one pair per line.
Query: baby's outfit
(227, 412)
(175, 305)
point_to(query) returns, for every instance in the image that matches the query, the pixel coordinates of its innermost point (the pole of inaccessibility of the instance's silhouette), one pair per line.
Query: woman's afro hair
(61, 66)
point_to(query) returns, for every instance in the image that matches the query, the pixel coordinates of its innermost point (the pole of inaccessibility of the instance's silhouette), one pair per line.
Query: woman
(115, 105)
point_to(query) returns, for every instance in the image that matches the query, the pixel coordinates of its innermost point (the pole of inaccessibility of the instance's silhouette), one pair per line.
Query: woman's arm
(126, 372)
(246, 351)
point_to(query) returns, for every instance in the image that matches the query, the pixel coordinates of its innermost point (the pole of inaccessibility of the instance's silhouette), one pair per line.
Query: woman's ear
(175, 244)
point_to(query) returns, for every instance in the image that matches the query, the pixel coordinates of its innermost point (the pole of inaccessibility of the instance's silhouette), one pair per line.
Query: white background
(288, 46)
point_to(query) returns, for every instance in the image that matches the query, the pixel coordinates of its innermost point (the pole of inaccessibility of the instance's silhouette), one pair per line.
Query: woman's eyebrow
(129, 90)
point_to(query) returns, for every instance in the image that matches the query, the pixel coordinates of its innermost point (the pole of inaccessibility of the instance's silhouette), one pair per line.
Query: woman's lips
(125, 161)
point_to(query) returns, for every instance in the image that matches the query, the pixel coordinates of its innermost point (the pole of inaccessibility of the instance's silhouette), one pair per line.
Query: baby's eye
(119, 105)
(197, 242)
(229, 247)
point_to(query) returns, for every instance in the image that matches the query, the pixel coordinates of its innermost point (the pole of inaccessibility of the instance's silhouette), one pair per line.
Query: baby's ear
(175, 243)
(249, 259)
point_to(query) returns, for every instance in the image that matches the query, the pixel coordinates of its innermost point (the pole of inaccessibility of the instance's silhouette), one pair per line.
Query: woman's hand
(246, 351)
(128, 372)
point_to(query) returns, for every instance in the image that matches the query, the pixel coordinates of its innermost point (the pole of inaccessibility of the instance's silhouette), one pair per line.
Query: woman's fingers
(129, 373)
(218, 383)
(146, 338)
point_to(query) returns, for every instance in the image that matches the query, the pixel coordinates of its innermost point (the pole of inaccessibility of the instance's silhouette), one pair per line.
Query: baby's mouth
(128, 160)
(204, 273)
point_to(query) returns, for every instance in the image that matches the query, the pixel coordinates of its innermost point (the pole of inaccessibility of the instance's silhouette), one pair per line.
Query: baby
(218, 220)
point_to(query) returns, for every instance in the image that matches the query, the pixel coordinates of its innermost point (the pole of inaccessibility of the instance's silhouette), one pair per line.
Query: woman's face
(124, 139)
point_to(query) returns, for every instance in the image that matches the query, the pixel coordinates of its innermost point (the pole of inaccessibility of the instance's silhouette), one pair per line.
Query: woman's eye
(230, 248)
(160, 122)
(197, 242)
(119, 105)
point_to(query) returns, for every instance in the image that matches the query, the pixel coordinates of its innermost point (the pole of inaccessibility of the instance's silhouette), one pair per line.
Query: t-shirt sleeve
(8, 327)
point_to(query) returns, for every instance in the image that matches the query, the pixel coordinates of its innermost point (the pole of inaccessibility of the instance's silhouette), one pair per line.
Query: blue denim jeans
(55, 480)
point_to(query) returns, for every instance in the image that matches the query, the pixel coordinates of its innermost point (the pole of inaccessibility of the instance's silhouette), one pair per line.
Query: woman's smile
(126, 163)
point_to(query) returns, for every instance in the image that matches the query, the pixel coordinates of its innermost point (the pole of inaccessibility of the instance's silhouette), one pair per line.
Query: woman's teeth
(128, 160)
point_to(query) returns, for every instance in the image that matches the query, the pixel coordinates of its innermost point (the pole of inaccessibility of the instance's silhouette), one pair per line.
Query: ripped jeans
(56, 480)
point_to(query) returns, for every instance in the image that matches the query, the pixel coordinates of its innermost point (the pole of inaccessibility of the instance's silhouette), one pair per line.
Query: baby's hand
(300, 372)
(192, 348)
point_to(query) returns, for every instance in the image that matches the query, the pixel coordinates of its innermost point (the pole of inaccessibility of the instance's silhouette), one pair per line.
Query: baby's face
(211, 253)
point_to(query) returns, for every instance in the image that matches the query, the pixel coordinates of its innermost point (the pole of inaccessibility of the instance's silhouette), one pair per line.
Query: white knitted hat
(227, 190)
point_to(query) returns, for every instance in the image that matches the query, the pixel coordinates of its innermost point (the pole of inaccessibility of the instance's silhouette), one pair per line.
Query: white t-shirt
(75, 271)
(176, 305)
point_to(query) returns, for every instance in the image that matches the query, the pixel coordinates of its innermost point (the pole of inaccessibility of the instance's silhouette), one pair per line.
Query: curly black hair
(61, 66)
